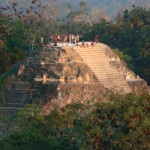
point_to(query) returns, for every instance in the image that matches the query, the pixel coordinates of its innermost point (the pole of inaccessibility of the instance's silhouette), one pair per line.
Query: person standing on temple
(45, 78)
(73, 39)
(66, 38)
(92, 44)
(62, 38)
(96, 38)
(70, 38)
(77, 38)
(54, 38)
(51, 38)
(42, 40)
(83, 44)
(58, 38)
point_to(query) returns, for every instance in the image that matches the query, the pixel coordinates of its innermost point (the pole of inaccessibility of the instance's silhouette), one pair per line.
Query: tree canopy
(121, 124)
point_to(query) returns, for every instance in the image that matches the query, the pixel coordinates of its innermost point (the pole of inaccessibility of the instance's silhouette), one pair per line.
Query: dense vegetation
(122, 124)
(129, 35)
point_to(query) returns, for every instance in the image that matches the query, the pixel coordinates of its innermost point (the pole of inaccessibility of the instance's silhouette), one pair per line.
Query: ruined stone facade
(80, 75)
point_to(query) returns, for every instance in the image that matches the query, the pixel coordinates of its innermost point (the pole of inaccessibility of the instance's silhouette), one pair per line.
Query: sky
(109, 8)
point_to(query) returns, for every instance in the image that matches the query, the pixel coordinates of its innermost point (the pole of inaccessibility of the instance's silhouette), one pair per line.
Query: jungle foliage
(122, 124)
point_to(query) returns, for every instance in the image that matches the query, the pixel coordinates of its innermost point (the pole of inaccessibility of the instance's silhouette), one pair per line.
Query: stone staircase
(96, 58)
(20, 94)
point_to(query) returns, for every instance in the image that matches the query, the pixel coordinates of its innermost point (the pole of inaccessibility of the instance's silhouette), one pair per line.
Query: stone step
(109, 75)
(105, 71)
(127, 90)
(21, 90)
(99, 64)
(112, 73)
(98, 59)
(14, 105)
(114, 83)
(107, 67)
(106, 76)
(91, 51)
(88, 49)
(114, 86)
(105, 79)
(14, 100)
(96, 56)
(17, 100)
(96, 62)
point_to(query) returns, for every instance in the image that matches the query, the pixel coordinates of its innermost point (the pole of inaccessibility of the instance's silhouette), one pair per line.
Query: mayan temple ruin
(80, 74)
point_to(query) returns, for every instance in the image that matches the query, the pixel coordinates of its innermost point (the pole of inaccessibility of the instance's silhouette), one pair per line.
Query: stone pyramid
(86, 75)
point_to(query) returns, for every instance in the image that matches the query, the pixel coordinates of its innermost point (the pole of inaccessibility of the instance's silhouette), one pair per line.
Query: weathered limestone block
(45, 78)
(111, 58)
(21, 69)
(74, 80)
(62, 79)
(78, 72)
(38, 79)
(65, 68)
(82, 93)
(87, 78)
(128, 75)
(138, 86)
(80, 79)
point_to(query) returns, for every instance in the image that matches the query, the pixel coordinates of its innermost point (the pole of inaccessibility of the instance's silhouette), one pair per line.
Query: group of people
(68, 38)
(87, 44)
(71, 38)
(62, 38)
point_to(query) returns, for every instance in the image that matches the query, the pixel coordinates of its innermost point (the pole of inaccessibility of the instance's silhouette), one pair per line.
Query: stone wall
(119, 64)
(68, 80)
(139, 86)
(78, 93)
